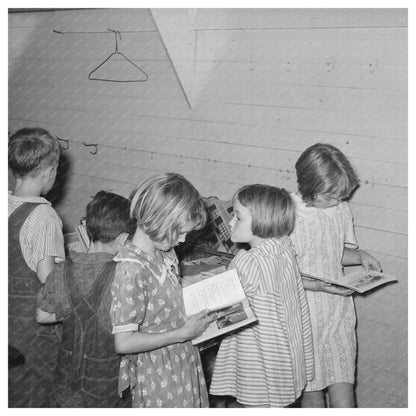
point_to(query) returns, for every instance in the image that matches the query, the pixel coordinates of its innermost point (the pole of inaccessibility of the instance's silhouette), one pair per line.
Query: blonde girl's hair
(272, 210)
(323, 169)
(166, 203)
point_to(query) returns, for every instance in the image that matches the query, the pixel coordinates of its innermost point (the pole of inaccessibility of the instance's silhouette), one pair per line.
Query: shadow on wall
(57, 193)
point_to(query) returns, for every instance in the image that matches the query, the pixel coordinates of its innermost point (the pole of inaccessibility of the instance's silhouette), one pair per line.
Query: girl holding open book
(159, 364)
(268, 363)
(324, 241)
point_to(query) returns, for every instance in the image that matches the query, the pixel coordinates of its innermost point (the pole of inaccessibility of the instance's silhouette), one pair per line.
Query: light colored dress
(319, 238)
(147, 297)
(268, 363)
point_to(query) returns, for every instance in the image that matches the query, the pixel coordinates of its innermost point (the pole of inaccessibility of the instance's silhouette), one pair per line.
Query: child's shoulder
(344, 206)
(47, 212)
(43, 209)
(131, 259)
(243, 258)
(130, 253)
(272, 247)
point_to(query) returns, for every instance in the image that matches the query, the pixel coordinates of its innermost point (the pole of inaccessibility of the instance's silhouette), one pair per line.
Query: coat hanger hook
(65, 141)
(116, 32)
(94, 152)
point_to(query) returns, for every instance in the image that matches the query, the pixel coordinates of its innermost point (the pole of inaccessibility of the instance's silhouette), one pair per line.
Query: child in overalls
(78, 293)
(35, 243)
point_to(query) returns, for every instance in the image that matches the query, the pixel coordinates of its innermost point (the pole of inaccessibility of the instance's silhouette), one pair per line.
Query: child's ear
(50, 172)
(121, 239)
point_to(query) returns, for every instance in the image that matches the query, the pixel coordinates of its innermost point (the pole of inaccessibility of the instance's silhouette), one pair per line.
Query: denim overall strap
(23, 282)
(23, 285)
(84, 311)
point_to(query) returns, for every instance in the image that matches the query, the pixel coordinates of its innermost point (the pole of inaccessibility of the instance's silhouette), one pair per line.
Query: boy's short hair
(164, 204)
(108, 216)
(31, 150)
(272, 210)
(323, 169)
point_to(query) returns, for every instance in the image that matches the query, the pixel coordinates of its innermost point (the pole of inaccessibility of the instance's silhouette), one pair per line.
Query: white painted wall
(268, 83)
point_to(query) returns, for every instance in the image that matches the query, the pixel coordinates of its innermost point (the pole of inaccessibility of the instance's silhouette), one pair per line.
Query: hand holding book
(360, 282)
(224, 295)
(196, 324)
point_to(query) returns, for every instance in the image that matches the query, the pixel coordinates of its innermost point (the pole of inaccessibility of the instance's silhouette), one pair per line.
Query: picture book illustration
(221, 294)
(361, 281)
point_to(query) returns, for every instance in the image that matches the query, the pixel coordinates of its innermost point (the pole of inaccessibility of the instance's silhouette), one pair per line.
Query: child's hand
(369, 262)
(197, 324)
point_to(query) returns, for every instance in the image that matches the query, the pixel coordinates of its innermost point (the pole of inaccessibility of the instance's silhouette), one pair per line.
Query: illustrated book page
(224, 295)
(360, 281)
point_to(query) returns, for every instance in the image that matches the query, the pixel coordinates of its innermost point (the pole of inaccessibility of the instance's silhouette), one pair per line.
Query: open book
(224, 295)
(360, 281)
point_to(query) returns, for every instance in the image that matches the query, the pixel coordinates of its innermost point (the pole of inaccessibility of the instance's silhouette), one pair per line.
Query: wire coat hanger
(116, 52)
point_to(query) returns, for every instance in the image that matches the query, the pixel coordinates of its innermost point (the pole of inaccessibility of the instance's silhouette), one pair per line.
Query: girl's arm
(354, 257)
(136, 342)
(319, 286)
(351, 257)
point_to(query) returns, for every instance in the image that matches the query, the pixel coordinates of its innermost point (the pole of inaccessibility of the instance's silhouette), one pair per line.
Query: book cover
(224, 295)
(361, 281)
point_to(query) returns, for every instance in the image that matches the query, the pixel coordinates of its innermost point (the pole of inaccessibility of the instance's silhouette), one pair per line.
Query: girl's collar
(167, 265)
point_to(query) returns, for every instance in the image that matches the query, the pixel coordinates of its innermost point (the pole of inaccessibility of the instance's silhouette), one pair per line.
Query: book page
(228, 319)
(213, 293)
(363, 281)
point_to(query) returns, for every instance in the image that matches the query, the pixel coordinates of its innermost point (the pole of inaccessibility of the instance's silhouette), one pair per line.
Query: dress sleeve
(130, 297)
(52, 297)
(350, 238)
(248, 272)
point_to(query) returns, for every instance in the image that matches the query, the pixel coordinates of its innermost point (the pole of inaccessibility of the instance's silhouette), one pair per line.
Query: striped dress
(269, 363)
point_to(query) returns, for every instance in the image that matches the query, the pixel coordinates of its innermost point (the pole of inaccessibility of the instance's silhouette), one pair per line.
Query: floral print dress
(147, 297)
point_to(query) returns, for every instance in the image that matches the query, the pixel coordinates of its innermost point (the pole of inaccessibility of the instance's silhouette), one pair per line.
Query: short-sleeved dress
(319, 238)
(147, 297)
(268, 363)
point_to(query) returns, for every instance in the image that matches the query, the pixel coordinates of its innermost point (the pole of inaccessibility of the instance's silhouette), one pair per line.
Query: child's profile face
(166, 246)
(240, 224)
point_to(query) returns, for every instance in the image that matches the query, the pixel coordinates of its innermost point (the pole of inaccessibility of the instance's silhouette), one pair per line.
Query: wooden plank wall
(268, 83)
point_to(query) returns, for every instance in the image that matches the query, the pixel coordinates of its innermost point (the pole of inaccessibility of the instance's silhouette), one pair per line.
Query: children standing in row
(268, 363)
(324, 241)
(78, 293)
(35, 243)
(160, 364)
(264, 365)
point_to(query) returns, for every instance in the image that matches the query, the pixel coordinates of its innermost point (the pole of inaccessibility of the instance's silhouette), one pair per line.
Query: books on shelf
(361, 281)
(224, 295)
(81, 231)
